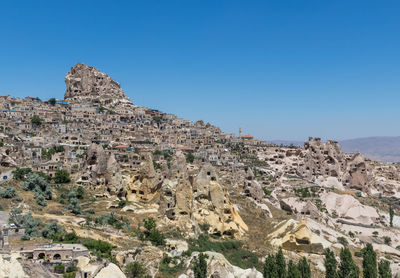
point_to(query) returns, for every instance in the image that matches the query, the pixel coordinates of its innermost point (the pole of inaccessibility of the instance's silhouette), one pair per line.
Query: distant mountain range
(385, 149)
(380, 148)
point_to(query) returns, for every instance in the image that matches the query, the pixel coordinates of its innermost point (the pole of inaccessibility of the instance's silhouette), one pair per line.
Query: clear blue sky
(280, 69)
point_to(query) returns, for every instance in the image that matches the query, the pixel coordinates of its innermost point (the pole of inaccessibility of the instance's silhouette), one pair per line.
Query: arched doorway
(57, 257)
(41, 256)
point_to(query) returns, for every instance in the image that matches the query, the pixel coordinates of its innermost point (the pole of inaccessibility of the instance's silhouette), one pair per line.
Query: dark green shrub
(200, 266)
(135, 270)
(61, 176)
(59, 268)
(8, 192)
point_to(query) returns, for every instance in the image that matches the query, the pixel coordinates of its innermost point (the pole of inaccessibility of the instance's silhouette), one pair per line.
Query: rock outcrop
(200, 200)
(144, 184)
(211, 205)
(96, 161)
(347, 207)
(295, 205)
(219, 267)
(329, 160)
(86, 84)
(251, 187)
(6, 160)
(11, 267)
(297, 236)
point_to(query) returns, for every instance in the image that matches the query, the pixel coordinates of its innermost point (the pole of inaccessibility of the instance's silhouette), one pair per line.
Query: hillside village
(93, 185)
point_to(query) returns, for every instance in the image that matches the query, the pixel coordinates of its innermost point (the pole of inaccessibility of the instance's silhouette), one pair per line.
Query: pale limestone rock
(10, 266)
(348, 207)
(110, 271)
(219, 267)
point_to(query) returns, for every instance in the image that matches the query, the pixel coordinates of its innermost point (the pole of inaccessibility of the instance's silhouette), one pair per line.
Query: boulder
(348, 207)
(110, 271)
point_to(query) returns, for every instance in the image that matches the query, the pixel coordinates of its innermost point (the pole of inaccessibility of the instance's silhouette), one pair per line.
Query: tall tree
(280, 264)
(347, 267)
(369, 262)
(270, 268)
(304, 268)
(330, 264)
(200, 266)
(384, 269)
(293, 271)
(391, 214)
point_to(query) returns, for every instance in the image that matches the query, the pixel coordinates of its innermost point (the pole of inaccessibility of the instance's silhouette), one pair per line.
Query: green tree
(391, 214)
(135, 270)
(280, 264)
(36, 120)
(369, 262)
(200, 266)
(52, 230)
(20, 173)
(36, 183)
(293, 271)
(80, 192)
(152, 234)
(74, 206)
(62, 176)
(8, 192)
(304, 268)
(30, 224)
(330, 264)
(384, 269)
(189, 158)
(347, 267)
(52, 101)
(270, 269)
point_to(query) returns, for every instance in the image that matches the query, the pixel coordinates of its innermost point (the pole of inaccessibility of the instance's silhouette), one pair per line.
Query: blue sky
(280, 69)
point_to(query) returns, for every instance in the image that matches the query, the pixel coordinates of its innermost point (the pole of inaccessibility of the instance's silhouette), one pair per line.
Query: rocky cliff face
(86, 84)
(329, 160)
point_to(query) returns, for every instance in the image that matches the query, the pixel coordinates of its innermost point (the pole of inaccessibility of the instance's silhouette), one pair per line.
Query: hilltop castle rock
(86, 84)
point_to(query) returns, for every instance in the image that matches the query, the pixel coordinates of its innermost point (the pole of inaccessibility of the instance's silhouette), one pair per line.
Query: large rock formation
(86, 84)
(251, 186)
(211, 205)
(219, 267)
(101, 170)
(145, 183)
(187, 200)
(297, 236)
(329, 160)
(347, 207)
(10, 266)
(96, 161)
